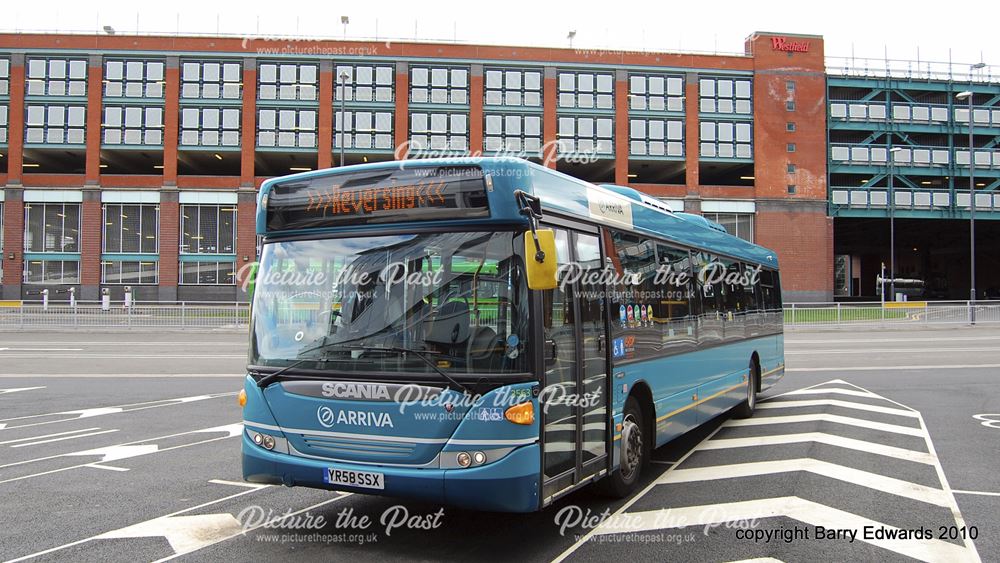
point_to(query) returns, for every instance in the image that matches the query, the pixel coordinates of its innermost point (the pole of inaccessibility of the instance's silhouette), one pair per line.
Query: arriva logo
(355, 391)
(328, 418)
(325, 416)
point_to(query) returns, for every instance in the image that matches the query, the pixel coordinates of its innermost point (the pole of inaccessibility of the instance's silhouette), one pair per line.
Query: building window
(365, 83)
(133, 125)
(3, 123)
(131, 228)
(737, 224)
(791, 188)
(208, 273)
(586, 90)
(210, 127)
(211, 80)
(52, 227)
(790, 126)
(52, 271)
(790, 105)
(365, 129)
(133, 79)
(129, 272)
(439, 85)
(513, 133)
(286, 128)
(287, 81)
(790, 85)
(589, 135)
(791, 169)
(656, 92)
(510, 87)
(790, 147)
(656, 137)
(4, 76)
(56, 77)
(439, 131)
(208, 229)
(726, 139)
(55, 124)
(725, 95)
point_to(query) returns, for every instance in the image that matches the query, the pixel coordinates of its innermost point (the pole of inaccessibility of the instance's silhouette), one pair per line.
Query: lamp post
(967, 95)
(892, 225)
(343, 112)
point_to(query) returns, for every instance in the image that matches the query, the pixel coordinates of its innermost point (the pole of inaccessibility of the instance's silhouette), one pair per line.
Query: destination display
(378, 196)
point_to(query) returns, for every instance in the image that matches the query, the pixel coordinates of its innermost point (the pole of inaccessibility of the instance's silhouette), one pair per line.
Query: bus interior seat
(451, 324)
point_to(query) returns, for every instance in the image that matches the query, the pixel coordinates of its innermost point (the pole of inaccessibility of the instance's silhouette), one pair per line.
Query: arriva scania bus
(490, 333)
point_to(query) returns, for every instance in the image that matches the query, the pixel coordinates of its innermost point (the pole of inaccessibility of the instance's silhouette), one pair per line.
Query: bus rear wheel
(633, 454)
(749, 404)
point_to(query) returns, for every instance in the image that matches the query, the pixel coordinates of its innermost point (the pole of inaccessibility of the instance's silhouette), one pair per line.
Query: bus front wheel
(633, 453)
(749, 404)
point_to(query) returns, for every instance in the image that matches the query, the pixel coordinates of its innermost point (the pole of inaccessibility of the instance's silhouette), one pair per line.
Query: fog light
(257, 439)
(268, 442)
(479, 458)
(463, 459)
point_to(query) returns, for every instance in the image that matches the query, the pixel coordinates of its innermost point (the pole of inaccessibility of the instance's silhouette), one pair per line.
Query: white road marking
(823, 417)
(16, 389)
(898, 368)
(821, 438)
(184, 533)
(85, 540)
(43, 436)
(827, 351)
(115, 453)
(982, 493)
(238, 484)
(99, 411)
(119, 451)
(75, 436)
(806, 511)
(108, 467)
(794, 340)
(836, 471)
(834, 390)
(41, 349)
(836, 403)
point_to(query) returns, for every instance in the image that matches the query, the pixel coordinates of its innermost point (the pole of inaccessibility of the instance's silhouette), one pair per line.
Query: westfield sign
(783, 44)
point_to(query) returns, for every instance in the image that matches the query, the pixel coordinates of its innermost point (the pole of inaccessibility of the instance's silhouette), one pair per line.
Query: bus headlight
(479, 458)
(463, 459)
(267, 442)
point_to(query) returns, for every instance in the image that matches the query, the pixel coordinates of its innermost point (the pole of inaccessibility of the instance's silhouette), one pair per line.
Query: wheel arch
(644, 396)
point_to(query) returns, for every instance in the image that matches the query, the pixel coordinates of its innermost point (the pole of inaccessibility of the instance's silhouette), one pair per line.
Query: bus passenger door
(574, 415)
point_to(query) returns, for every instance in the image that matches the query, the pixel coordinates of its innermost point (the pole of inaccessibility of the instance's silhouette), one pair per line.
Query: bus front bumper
(506, 485)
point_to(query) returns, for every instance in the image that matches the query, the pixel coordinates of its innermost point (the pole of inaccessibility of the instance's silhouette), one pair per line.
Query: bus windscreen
(406, 193)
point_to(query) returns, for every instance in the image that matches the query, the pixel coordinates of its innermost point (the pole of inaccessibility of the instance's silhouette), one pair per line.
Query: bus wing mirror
(540, 259)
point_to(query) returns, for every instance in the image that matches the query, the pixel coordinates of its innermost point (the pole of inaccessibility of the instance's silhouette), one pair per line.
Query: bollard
(128, 296)
(105, 299)
(72, 297)
(45, 300)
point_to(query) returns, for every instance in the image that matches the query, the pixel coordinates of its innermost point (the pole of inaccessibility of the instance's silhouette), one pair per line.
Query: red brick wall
(327, 81)
(170, 229)
(92, 223)
(549, 121)
(476, 119)
(621, 131)
(801, 233)
(171, 122)
(13, 240)
(401, 126)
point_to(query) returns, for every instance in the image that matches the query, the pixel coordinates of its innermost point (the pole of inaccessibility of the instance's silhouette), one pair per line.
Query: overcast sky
(965, 31)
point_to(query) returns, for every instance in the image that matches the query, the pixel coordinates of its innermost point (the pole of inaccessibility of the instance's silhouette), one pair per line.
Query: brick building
(134, 160)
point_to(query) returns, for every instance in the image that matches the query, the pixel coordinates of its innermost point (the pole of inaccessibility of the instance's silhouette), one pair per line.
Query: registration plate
(363, 479)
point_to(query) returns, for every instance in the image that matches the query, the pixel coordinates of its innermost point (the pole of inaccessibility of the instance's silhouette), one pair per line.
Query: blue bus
(490, 333)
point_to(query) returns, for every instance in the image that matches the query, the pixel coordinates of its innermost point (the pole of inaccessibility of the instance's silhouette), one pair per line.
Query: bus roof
(613, 206)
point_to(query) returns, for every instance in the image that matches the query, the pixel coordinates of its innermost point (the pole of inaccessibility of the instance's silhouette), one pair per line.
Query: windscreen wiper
(269, 378)
(422, 354)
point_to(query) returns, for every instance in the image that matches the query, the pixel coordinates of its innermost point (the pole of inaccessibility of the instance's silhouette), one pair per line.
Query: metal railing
(892, 314)
(185, 315)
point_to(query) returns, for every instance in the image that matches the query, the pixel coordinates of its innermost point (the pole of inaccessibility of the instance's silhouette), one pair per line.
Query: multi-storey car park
(133, 161)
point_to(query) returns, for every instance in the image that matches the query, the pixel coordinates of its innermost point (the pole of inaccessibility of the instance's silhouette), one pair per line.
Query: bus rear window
(405, 193)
